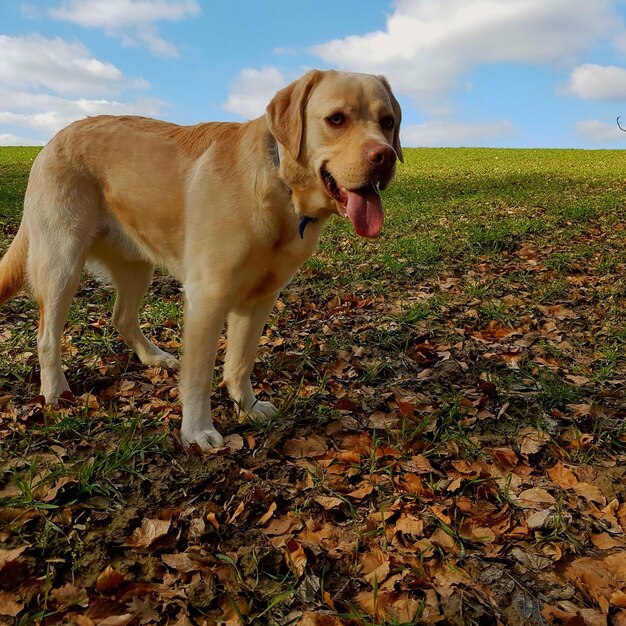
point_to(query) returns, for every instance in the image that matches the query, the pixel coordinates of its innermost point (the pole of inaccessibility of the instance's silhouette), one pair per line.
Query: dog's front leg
(205, 312)
(245, 325)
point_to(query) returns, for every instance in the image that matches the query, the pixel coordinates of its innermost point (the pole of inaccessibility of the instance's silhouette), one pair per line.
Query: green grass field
(451, 446)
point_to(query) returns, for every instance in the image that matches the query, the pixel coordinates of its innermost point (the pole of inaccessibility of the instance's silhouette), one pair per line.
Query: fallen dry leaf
(535, 496)
(70, 595)
(562, 475)
(362, 492)
(545, 519)
(572, 615)
(63, 481)
(532, 440)
(234, 442)
(375, 566)
(590, 492)
(267, 515)
(601, 580)
(604, 541)
(310, 618)
(282, 525)
(392, 606)
(108, 580)
(237, 512)
(558, 311)
(295, 557)
(442, 539)
(328, 502)
(7, 556)
(308, 447)
(409, 525)
(10, 604)
(181, 562)
(149, 531)
(325, 537)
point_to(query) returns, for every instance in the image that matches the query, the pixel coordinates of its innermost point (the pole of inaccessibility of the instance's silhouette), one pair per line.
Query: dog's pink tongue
(364, 207)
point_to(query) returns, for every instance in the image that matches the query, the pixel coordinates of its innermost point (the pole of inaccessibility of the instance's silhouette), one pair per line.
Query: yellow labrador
(231, 210)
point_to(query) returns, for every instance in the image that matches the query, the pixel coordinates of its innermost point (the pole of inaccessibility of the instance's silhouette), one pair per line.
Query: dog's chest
(275, 268)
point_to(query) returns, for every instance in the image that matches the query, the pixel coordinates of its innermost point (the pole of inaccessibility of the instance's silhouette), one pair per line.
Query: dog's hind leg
(131, 278)
(245, 326)
(55, 260)
(54, 297)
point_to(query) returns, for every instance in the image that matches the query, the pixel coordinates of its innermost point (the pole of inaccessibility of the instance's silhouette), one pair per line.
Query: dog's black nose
(382, 155)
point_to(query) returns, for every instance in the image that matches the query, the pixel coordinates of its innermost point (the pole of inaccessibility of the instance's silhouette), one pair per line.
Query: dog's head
(339, 138)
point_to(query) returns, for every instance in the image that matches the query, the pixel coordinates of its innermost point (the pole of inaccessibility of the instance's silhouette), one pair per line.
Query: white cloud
(47, 83)
(149, 35)
(252, 90)
(429, 45)
(284, 52)
(122, 13)
(598, 82)
(55, 64)
(439, 133)
(596, 132)
(47, 114)
(428, 50)
(7, 139)
(133, 21)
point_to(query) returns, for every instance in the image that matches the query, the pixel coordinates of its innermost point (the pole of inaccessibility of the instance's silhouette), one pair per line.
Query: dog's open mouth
(362, 206)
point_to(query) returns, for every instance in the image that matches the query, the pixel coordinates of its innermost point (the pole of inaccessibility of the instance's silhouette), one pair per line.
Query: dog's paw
(56, 394)
(161, 359)
(205, 439)
(259, 410)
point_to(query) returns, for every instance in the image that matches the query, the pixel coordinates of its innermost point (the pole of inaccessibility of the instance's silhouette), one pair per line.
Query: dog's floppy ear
(397, 111)
(285, 112)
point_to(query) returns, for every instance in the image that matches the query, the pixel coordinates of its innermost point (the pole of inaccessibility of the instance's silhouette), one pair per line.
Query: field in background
(452, 440)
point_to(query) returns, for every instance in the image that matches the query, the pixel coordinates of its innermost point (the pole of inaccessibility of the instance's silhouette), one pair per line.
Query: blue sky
(510, 73)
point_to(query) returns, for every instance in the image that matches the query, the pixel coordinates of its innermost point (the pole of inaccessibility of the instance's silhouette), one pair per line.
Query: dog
(230, 209)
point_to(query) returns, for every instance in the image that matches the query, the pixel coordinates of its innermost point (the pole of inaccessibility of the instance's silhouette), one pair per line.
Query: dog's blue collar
(303, 222)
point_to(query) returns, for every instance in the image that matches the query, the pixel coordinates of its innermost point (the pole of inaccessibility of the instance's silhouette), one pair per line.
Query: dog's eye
(387, 122)
(336, 119)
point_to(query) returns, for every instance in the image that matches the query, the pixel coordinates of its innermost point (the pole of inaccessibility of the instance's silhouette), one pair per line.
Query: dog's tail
(13, 266)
